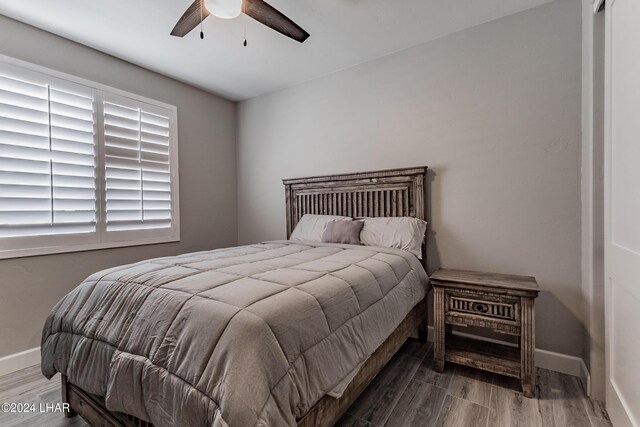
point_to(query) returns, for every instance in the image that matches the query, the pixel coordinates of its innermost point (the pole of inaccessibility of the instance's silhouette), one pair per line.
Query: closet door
(622, 211)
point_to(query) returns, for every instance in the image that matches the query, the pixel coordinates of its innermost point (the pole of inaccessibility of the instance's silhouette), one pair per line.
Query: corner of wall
(592, 199)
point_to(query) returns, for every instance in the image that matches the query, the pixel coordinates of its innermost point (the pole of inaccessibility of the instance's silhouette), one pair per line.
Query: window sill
(51, 250)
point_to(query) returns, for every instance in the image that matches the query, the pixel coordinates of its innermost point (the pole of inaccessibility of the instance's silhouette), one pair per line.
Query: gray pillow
(343, 232)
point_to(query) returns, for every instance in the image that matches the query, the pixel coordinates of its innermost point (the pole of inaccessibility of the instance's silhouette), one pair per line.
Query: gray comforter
(253, 335)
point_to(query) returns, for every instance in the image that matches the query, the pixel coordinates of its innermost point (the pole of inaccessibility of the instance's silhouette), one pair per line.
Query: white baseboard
(585, 378)
(17, 361)
(558, 362)
(546, 359)
(571, 365)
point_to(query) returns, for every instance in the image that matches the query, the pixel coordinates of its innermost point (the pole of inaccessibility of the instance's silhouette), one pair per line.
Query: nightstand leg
(439, 341)
(527, 347)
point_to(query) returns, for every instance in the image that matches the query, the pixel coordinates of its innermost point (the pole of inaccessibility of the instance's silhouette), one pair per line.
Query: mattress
(247, 336)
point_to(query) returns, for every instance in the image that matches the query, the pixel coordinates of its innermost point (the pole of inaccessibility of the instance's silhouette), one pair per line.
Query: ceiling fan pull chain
(201, 32)
(245, 33)
(244, 21)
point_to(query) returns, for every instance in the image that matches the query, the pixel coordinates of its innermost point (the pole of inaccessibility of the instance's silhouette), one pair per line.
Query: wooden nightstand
(502, 303)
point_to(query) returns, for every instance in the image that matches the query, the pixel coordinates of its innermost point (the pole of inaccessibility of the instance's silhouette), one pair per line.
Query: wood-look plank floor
(463, 397)
(408, 392)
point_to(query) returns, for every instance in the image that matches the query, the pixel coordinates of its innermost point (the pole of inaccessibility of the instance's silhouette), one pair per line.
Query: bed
(278, 333)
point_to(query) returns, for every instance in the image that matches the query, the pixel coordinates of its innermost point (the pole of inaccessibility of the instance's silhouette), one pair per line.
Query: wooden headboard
(395, 192)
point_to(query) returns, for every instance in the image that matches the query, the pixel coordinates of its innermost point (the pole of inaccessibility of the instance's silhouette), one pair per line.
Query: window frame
(26, 246)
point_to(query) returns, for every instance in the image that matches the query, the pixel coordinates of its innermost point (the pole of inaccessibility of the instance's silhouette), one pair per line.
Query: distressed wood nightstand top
(492, 280)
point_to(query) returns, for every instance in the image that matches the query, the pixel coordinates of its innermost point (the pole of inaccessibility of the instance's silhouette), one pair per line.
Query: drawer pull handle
(480, 307)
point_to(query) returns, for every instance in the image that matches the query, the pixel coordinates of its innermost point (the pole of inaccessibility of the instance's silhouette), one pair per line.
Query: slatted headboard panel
(397, 192)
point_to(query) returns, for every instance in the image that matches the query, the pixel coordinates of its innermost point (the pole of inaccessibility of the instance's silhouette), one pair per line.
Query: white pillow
(394, 232)
(310, 228)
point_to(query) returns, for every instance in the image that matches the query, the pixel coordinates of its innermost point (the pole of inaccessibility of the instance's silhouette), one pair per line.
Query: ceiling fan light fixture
(225, 9)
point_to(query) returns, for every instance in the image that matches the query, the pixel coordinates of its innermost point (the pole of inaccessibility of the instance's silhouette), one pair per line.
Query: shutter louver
(137, 167)
(47, 158)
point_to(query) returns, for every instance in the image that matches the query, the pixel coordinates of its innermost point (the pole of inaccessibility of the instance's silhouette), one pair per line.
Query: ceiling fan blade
(191, 19)
(271, 17)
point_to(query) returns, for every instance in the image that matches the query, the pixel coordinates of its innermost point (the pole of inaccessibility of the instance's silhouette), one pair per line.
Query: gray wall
(207, 132)
(493, 110)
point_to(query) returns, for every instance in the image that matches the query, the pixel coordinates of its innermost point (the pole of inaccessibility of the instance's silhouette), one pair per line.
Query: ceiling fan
(229, 9)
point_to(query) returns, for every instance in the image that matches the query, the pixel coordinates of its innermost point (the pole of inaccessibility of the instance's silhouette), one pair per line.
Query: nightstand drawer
(467, 307)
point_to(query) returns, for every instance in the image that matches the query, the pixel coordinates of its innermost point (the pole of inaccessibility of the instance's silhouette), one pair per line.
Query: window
(137, 139)
(82, 166)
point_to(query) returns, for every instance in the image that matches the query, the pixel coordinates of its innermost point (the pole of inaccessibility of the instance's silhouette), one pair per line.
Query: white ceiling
(344, 33)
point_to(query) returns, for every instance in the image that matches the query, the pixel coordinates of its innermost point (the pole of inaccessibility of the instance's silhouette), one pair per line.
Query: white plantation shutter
(82, 166)
(137, 140)
(47, 156)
